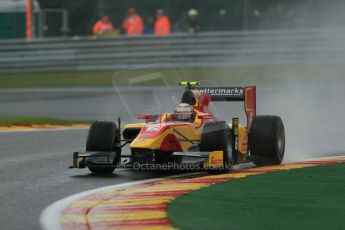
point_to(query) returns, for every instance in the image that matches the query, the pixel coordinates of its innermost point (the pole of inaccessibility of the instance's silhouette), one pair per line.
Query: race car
(191, 135)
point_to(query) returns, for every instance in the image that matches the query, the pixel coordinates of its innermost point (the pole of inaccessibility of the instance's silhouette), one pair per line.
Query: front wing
(212, 159)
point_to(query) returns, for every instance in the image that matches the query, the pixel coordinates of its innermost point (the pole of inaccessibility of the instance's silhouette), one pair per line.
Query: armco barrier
(178, 50)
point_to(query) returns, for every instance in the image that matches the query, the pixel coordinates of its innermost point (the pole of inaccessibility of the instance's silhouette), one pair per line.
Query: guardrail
(178, 50)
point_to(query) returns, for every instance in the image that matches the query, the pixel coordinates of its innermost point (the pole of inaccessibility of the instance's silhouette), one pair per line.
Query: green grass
(241, 75)
(310, 198)
(44, 80)
(26, 121)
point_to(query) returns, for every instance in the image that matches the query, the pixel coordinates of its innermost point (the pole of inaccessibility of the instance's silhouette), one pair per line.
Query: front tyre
(267, 140)
(216, 137)
(104, 137)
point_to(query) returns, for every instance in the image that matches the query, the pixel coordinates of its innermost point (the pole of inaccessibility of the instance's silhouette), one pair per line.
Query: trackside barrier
(178, 50)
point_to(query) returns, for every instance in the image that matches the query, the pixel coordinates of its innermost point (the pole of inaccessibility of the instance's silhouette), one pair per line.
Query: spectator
(103, 26)
(193, 22)
(162, 24)
(133, 24)
(149, 25)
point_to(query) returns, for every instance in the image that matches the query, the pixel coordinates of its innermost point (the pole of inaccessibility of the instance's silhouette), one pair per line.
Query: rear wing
(246, 94)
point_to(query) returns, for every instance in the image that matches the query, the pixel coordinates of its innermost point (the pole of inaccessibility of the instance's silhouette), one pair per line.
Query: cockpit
(184, 113)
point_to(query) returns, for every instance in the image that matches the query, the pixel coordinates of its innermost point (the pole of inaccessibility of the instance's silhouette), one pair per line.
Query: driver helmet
(183, 112)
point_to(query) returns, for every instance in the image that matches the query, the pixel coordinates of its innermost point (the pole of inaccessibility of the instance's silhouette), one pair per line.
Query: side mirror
(205, 116)
(145, 117)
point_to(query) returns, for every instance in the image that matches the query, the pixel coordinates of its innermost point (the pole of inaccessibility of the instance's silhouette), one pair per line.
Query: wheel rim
(281, 141)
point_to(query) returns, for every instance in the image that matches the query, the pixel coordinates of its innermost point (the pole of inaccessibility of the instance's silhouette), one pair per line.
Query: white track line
(50, 217)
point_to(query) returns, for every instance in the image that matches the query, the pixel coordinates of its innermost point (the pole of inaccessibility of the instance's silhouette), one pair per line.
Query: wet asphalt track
(34, 173)
(34, 165)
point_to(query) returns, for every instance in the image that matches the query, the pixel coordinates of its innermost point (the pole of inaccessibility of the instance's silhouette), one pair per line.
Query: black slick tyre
(103, 136)
(216, 137)
(267, 140)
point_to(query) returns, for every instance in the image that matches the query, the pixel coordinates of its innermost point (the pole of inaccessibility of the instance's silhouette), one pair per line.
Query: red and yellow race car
(190, 136)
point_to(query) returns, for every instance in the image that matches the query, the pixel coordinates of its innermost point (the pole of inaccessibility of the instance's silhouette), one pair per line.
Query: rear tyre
(104, 137)
(267, 140)
(216, 137)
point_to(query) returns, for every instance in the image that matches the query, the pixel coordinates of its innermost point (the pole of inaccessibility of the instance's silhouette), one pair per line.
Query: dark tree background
(239, 14)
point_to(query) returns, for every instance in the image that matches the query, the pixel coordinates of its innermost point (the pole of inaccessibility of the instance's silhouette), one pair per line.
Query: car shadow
(137, 174)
